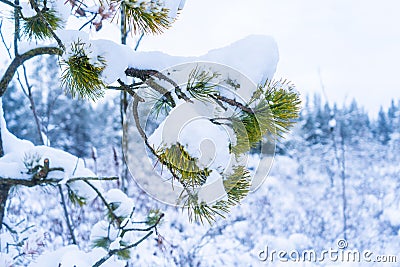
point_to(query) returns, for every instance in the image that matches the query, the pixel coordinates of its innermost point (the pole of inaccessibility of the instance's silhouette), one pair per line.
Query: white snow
(27, 10)
(17, 151)
(255, 56)
(6, 260)
(332, 123)
(116, 244)
(63, 9)
(125, 204)
(392, 215)
(103, 229)
(186, 125)
(71, 256)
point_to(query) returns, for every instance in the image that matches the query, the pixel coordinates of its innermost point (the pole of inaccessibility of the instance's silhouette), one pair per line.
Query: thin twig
(232, 102)
(67, 219)
(143, 229)
(16, 27)
(115, 217)
(50, 181)
(33, 105)
(10, 4)
(20, 59)
(87, 22)
(115, 251)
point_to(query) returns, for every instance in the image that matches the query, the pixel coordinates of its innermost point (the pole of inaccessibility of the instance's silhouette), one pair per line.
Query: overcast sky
(353, 44)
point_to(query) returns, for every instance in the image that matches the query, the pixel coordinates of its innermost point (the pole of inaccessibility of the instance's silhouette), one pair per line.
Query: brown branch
(1, 144)
(232, 102)
(150, 82)
(129, 89)
(16, 26)
(30, 183)
(4, 190)
(146, 76)
(20, 59)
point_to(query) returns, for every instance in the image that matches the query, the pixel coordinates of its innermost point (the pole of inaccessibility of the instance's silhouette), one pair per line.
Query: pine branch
(81, 77)
(145, 139)
(143, 229)
(147, 17)
(20, 59)
(50, 28)
(4, 191)
(146, 76)
(116, 251)
(232, 102)
(16, 26)
(109, 208)
(11, 4)
(48, 181)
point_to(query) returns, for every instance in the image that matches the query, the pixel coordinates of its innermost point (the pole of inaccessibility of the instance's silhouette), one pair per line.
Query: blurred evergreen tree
(382, 128)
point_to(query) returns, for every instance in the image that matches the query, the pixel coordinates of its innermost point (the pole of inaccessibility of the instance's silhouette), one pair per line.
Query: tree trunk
(1, 144)
(4, 190)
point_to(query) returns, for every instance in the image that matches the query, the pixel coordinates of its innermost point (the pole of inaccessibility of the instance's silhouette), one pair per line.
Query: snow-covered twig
(144, 229)
(115, 251)
(110, 210)
(30, 183)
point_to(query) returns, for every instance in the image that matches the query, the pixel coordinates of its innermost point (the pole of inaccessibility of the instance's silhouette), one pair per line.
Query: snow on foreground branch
(90, 67)
(24, 164)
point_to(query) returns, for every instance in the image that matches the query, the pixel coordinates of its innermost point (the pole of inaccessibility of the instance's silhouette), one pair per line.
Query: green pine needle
(199, 86)
(145, 18)
(101, 242)
(237, 185)
(74, 198)
(105, 242)
(284, 103)
(124, 254)
(181, 164)
(161, 106)
(80, 77)
(36, 27)
(277, 106)
(202, 212)
(153, 217)
(251, 127)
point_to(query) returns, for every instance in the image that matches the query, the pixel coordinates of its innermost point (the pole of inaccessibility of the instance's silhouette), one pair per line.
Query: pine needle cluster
(284, 103)
(183, 166)
(80, 77)
(200, 85)
(145, 17)
(237, 186)
(270, 113)
(39, 26)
